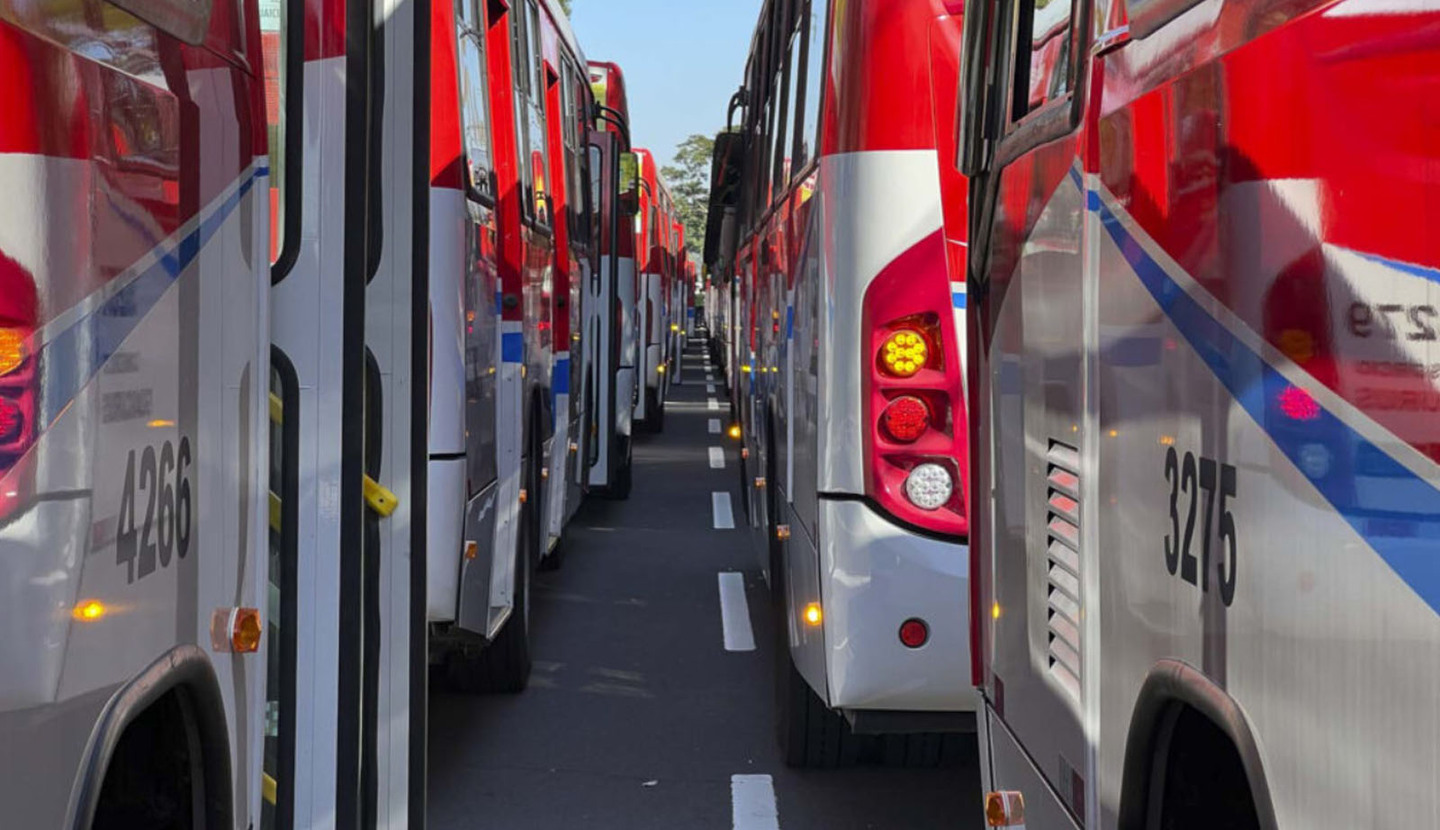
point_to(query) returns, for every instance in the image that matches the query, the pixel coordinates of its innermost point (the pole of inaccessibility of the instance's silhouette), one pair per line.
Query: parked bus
(133, 385)
(510, 254)
(1202, 283)
(655, 247)
(612, 319)
(846, 278)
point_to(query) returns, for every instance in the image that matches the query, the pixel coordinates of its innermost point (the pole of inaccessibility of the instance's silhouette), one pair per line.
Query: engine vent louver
(1062, 578)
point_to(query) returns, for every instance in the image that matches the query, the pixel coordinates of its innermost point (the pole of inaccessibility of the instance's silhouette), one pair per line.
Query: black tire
(625, 476)
(810, 734)
(654, 422)
(504, 665)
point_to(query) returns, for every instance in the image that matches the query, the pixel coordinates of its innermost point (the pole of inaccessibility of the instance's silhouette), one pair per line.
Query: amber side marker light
(89, 610)
(1005, 809)
(813, 615)
(735, 431)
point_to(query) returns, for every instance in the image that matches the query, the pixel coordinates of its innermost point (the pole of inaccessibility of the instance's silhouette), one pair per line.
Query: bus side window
(807, 146)
(282, 56)
(474, 99)
(1042, 55)
(188, 20)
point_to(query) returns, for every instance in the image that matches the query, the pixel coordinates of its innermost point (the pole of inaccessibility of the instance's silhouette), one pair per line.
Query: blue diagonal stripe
(74, 356)
(1253, 382)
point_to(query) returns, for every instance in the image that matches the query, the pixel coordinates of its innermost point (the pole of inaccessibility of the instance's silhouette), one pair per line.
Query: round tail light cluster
(929, 486)
(906, 419)
(905, 353)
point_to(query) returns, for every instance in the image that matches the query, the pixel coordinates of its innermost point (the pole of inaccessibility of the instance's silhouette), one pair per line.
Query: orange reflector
(524, 495)
(12, 350)
(813, 615)
(89, 610)
(1005, 809)
(472, 549)
(782, 532)
(759, 482)
(744, 452)
(245, 630)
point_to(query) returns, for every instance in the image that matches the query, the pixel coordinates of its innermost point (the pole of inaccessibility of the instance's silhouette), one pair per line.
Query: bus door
(603, 325)
(1029, 309)
(347, 424)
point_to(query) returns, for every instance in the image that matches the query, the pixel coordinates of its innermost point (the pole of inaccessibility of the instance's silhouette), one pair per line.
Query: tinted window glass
(1042, 62)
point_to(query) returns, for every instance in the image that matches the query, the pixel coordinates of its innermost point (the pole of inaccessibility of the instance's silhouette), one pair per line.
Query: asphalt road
(637, 715)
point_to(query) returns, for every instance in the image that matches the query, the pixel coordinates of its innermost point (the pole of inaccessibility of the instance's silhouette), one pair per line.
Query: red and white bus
(510, 251)
(1204, 325)
(261, 242)
(844, 270)
(655, 244)
(133, 381)
(612, 321)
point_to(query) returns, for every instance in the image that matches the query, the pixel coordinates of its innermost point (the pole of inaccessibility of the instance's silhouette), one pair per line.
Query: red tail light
(906, 419)
(916, 452)
(12, 420)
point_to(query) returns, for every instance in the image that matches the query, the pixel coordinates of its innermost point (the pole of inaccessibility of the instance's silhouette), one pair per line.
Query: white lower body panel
(875, 575)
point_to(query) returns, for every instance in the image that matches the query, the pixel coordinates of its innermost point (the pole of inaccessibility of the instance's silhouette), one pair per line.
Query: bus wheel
(624, 477)
(810, 734)
(153, 778)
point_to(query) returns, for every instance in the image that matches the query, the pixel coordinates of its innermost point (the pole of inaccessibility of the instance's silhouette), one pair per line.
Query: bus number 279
(1192, 481)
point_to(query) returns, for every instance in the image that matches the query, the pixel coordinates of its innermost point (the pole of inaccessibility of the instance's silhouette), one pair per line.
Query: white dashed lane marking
(735, 613)
(724, 516)
(752, 803)
(713, 405)
(714, 426)
(717, 458)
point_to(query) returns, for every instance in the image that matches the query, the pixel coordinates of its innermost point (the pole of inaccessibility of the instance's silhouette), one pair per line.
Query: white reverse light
(929, 486)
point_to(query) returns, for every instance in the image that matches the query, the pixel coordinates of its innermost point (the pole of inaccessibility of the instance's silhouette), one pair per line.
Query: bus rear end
(850, 373)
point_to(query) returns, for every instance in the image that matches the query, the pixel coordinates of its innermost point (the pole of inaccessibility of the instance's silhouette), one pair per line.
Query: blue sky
(682, 60)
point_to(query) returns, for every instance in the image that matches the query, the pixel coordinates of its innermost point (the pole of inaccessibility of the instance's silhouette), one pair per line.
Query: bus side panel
(1039, 429)
(133, 269)
(1248, 375)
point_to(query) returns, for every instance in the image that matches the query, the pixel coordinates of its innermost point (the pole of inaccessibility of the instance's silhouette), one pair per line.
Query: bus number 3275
(1187, 478)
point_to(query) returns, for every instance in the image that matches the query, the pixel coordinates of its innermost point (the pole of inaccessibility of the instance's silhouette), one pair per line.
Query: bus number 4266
(165, 531)
(1187, 479)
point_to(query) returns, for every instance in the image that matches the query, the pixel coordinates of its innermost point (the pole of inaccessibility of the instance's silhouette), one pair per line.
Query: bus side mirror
(629, 184)
(726, 177)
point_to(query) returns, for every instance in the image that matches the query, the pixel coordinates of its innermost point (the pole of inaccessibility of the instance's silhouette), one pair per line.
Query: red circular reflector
(906, 419)
(914, 633)
(11, 420)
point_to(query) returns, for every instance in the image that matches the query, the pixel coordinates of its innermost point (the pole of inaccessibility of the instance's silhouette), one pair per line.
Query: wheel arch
(1170, 685)
(186, 670)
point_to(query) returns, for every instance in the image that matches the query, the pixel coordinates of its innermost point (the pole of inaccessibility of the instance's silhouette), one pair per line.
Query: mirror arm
(614, 118)
(737, 101)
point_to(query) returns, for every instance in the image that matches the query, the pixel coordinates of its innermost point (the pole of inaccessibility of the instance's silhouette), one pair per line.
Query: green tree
(565, 4)
(689, 180)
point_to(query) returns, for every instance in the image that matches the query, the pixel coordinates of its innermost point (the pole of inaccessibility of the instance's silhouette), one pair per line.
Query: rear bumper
(874, 576)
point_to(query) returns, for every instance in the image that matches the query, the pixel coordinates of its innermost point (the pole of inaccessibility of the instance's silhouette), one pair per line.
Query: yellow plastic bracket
(277, 409)
(269, 789)
(382, 501)
(274, 512)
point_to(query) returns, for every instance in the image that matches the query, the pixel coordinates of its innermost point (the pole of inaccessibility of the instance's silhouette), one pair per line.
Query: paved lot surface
(637, 715)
